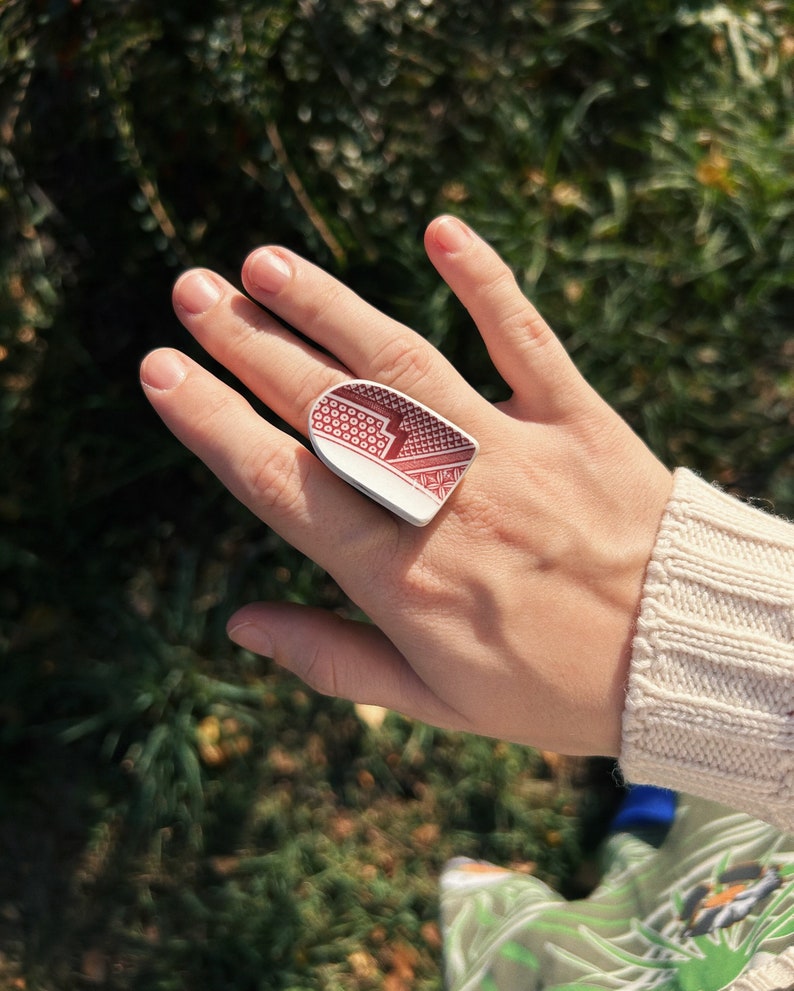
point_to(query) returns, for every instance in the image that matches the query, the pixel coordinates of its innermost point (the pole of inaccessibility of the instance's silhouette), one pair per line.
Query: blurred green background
(177, 814)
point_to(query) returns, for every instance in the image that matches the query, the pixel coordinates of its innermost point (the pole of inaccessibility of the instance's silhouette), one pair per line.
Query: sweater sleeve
(710, 700)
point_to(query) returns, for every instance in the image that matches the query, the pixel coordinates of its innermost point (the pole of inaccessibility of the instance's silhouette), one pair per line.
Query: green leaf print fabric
(714, 901)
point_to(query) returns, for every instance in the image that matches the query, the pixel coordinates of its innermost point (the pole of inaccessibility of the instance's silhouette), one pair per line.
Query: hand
(512, 613)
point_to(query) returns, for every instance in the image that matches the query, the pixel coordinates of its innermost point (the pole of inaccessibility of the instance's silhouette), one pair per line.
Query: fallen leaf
(404, 959)
(371, 715)
(431, 934)
(363, 965)
(427, 834)
(365, 780)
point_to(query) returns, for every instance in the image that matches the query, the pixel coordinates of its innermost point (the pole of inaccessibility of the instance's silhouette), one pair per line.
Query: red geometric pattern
(392, 430)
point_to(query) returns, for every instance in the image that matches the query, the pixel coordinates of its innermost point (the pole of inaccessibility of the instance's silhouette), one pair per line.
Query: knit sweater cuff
(710, 700)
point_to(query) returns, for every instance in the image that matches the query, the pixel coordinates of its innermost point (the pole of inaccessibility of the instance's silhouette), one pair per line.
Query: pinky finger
(339, 657)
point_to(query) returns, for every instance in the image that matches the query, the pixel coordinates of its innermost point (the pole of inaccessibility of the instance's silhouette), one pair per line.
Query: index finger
(274, 475)
(546, 384)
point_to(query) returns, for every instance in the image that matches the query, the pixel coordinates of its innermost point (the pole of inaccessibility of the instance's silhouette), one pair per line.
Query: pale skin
(511, 614)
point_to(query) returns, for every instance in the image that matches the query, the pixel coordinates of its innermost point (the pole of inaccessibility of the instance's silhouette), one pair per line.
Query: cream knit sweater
(710, 702)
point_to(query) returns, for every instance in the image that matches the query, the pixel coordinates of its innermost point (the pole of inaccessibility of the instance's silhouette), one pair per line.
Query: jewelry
(387, 445)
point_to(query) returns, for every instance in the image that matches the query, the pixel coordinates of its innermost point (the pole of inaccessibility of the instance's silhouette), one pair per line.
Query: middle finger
(365, 341)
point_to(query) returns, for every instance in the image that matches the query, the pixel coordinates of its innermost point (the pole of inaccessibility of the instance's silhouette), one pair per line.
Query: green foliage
(632, 161)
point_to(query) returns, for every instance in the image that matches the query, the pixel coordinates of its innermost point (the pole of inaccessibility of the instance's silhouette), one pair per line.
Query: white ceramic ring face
(392, 448)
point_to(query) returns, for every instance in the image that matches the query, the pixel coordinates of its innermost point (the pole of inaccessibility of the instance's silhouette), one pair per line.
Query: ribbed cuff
(710, 701)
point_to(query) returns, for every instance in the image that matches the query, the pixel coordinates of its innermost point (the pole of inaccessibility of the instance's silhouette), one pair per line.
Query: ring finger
(276, 365)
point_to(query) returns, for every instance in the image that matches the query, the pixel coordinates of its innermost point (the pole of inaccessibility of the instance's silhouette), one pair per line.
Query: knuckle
(271, 479)
(422, 586)
(501, 281)
(216, 413)
(303, 390)
(527, 328)
(404, 363)
(519, 318)
(325, 303)
(319, 671)
(245, 340)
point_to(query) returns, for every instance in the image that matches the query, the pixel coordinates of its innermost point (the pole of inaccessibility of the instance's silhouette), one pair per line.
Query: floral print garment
(714, 901)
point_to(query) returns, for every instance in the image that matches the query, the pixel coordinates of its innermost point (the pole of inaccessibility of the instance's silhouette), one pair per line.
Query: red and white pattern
(390, 429)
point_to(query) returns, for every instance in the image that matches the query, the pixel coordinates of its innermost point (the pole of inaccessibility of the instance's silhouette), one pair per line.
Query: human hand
(512, 613)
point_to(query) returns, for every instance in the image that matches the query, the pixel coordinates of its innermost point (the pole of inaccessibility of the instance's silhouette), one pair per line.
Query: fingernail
(196, 292)
(163, 370)
(451, 234)
(251, 637)
(268, 271)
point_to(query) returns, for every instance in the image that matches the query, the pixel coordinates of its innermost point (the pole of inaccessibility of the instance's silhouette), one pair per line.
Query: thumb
(339, 657)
